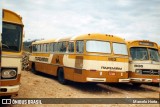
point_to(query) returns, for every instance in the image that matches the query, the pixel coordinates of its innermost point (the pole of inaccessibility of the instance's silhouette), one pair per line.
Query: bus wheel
(33, 69)
(61, 78)
(136, 84)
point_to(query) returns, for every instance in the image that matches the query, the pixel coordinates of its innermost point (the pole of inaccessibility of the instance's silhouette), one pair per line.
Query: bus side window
(30, 48)
(34, 48)
(44, 47)
(52, 47)
(62, 46)
(59, 46)
(38, 48)
(55, 48)
(79, 46)
(47, 47)
(71, 47)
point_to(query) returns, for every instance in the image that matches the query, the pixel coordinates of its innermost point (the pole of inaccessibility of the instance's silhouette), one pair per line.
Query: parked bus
(159, 49)
(12, 37)
(84, 58)
(144, 64)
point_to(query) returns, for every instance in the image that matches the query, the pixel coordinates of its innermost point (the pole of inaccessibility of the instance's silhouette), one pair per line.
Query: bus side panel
(68, 73)
(50, 69)
(39, 66)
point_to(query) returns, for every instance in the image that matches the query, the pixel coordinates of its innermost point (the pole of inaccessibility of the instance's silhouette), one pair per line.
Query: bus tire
(136, 84)
(33, 69)
(61, 77)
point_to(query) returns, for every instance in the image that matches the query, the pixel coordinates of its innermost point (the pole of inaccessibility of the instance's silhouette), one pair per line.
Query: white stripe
(96, 65)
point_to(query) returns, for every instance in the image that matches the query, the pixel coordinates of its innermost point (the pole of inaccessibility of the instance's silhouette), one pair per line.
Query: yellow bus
(159, 49)
(84, 58)
(41, 55)
(144, 64)
(12, 37)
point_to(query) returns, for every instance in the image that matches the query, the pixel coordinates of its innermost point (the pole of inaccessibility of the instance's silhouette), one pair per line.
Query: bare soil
(46, 86)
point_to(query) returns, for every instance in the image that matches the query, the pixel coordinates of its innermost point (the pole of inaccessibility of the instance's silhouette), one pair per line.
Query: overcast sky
(129, 19)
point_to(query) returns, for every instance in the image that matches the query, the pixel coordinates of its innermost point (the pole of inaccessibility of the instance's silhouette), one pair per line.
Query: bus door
(79, 60)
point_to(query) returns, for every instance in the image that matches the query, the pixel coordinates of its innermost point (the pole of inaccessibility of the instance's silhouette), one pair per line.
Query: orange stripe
(8, 82)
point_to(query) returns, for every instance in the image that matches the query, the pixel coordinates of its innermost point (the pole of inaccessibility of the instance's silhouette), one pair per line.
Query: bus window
(34, 48)
(119, 48)
(8, 43)
(56, 48)
(71, 47)
(48, 47)
(99, 46)
(39, 48)
(139, 53)
(154, 55)
(79, 46)
(62, 46)
(44, 48)
(52, 47)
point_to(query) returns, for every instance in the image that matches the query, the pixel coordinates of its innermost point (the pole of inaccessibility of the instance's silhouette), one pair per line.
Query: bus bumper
(145, 80)
(96, 79)
(9, 90)
(139, 78)
(124, 80)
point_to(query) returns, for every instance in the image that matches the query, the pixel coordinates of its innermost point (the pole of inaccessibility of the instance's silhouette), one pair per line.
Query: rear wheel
(61, 77)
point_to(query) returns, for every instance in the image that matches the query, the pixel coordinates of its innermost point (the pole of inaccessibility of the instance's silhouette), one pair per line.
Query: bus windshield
(154, 55)
(139, 53)
(98, 46)
(11, 37)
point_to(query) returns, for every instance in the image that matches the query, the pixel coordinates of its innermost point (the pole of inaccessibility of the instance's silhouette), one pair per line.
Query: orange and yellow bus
(144, 64)
(12, 37)
(84, 58)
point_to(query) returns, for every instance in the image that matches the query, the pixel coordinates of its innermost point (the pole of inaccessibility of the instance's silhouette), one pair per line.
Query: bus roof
(43, 41)
(97, 36)
(63, 39)
(142, 43)
(11, 17)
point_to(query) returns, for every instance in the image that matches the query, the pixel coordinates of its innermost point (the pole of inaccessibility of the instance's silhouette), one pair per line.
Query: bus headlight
(9, 73)
(139, 71)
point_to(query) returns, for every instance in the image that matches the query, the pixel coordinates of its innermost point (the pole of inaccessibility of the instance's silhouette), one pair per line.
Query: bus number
(111, 59)
(141, 66)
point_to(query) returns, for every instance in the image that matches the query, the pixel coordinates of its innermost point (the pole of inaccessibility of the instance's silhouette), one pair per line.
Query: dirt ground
(46, 86)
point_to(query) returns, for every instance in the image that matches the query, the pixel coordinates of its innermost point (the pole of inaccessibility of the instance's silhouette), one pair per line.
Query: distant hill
(27, 44)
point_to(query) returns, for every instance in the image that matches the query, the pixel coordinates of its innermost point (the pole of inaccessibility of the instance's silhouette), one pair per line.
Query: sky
(129, 19)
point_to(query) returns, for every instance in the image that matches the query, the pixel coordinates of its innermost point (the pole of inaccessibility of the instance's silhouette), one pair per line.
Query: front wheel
(61, 77)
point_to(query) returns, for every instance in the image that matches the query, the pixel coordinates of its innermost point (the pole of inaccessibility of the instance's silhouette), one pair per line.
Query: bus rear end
(99, 58)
